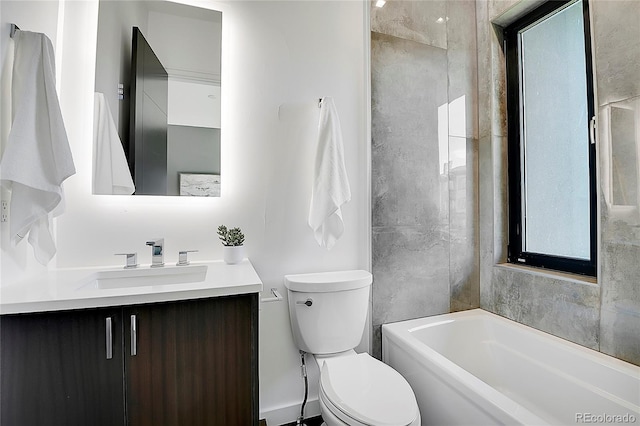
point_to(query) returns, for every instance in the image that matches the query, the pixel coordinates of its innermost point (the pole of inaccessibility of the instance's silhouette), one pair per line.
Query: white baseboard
(289, 413)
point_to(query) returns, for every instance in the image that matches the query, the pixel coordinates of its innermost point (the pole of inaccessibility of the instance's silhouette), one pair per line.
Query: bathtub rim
(465, 383)
(409, 325)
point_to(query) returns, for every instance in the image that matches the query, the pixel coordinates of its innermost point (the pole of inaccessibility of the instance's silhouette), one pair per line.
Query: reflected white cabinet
(193, 103)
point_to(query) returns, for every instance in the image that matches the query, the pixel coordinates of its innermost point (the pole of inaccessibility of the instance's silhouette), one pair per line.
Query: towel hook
(319, 102)
(14, 28)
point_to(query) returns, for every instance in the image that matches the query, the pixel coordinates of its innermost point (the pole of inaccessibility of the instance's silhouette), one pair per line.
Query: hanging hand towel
(111, 173)
(37, 157)
(330, 186)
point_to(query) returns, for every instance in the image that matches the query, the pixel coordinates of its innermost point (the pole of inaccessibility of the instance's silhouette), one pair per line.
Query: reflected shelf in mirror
(620, 133)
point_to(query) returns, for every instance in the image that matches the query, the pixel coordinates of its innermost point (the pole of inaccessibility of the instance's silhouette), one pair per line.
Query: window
(552, 195)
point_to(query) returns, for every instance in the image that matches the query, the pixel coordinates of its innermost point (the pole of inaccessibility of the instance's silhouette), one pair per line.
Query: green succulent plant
(230, 237)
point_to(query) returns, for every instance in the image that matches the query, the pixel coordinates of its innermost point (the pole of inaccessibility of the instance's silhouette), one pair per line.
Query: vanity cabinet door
(54, 369)
(195, 362)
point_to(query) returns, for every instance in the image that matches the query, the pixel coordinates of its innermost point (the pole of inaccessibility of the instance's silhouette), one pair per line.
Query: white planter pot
(233, 254)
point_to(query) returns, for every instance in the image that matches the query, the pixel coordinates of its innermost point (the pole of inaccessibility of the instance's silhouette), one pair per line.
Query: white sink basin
(122, 278)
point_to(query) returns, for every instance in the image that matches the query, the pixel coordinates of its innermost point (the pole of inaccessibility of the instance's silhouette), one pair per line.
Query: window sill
(549, 273)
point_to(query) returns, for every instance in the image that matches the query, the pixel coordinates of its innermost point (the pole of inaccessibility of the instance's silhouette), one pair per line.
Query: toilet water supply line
(303, 370)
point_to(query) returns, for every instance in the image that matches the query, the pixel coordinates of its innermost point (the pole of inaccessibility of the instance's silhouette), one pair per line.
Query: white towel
(330, 184)
(111, 173)
(37, 157)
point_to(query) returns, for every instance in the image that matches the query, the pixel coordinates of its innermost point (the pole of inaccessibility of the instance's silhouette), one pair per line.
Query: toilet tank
(328, 310)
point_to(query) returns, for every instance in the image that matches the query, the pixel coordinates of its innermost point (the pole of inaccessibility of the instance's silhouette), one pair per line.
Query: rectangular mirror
(157, 119)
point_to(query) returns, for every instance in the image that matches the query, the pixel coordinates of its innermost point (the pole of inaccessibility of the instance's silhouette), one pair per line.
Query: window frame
(515, 254)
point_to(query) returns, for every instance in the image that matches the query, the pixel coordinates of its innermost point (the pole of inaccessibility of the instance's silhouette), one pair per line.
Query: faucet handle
(132, 259)
(182, 257)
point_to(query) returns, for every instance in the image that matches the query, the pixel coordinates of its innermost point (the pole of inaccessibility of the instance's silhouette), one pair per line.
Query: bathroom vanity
(75, 353)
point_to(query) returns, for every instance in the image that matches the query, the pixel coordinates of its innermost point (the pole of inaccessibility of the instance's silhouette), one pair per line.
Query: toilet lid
(368, 390)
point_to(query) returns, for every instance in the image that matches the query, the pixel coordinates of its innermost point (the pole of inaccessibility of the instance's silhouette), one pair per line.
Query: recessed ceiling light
(380, 3)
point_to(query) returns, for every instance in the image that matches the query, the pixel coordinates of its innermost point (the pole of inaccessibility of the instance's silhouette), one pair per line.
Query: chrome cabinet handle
(109, 336)
(134, 337)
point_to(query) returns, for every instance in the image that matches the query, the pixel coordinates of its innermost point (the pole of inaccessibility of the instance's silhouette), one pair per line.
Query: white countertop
(74, 288)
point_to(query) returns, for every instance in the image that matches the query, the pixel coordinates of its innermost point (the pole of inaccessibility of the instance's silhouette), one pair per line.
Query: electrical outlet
(4, 211)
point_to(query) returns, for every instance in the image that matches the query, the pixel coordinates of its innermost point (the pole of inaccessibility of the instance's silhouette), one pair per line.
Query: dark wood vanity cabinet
(175, 363)
(54, 369)
(195, 363)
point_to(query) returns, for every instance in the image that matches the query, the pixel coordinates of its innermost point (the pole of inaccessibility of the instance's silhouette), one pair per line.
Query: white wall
(278, 59)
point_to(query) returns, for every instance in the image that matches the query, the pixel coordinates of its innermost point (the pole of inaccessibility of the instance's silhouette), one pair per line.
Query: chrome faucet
(157, 252)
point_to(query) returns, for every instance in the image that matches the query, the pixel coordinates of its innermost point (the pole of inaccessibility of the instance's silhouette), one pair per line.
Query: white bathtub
(477, 368)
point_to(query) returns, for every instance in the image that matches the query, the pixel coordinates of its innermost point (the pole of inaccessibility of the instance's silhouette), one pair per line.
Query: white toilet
(328, 313)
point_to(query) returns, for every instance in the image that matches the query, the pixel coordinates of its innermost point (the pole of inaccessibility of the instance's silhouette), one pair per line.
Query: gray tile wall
(605, 315)
(617, 61)
(424, 160)
(439, 232)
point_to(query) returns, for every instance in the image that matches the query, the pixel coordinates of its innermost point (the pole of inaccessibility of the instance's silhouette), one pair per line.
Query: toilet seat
(360, 390)
(332, 414)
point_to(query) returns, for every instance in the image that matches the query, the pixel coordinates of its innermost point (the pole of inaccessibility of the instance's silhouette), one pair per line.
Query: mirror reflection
(157, 110)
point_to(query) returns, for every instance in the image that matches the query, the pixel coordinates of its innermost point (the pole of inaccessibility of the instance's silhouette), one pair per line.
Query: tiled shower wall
(424, 160)
(602, 314)
(439, 184)
(617, 51)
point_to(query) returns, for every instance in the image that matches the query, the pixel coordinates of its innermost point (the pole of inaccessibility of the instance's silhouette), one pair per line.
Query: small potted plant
(232, 240)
